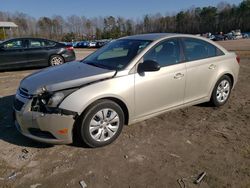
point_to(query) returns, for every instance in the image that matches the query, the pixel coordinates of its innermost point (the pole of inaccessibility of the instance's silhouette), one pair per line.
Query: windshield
(116, 55)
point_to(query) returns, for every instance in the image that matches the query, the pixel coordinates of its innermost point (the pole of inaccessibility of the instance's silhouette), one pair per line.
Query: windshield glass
(116, 55)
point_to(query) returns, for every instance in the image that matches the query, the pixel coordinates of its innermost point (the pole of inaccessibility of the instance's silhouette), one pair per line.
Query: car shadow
(8, 132)
(23, 69)
(206, 105)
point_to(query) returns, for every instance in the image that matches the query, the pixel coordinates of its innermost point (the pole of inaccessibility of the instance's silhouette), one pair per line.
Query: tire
(221, 91)
(56, 60)
(101, 132)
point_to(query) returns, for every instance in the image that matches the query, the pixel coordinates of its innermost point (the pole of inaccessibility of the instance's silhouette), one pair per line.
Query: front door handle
(178, 76)
(212, 66)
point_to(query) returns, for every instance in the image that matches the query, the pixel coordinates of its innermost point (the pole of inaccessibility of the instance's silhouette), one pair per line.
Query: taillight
(69, 48)
(238, 59)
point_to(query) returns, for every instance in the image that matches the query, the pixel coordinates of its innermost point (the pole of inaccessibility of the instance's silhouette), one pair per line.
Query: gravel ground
(152, 153)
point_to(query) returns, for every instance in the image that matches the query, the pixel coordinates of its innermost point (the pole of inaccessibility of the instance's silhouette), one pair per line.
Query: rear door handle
(178, 76)
(212, 66)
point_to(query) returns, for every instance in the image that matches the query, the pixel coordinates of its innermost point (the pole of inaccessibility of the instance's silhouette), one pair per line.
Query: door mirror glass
(148, 66)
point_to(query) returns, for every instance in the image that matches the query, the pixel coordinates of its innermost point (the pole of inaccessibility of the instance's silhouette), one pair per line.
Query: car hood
(68, 75)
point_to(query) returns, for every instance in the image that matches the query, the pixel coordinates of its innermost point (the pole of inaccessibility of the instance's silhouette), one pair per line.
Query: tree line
(225, 17)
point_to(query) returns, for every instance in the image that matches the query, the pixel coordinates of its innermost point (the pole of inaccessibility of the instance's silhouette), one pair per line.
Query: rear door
(13, 54)
(37, 52)
(163, 89)
(202, 67)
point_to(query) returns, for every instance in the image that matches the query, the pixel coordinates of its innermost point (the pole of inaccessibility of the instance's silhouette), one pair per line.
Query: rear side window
(38, 43)
(35, 44)
(195, 49)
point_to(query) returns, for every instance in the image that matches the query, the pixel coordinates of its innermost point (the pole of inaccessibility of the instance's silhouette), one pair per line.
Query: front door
(13, 54)
(163, 89)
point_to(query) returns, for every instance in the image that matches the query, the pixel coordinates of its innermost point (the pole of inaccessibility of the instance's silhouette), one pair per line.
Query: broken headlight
(47, 101)
(57, 97)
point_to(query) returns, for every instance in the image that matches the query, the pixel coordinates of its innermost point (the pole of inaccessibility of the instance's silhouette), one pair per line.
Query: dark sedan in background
(33, 52)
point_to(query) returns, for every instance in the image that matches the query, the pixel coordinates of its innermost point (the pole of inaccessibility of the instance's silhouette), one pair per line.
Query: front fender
(121, 88)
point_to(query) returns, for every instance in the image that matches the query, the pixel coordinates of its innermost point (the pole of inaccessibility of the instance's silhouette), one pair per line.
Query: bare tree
(225, 17)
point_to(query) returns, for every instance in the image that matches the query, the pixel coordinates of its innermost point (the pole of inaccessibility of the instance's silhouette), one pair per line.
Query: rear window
(196, 49)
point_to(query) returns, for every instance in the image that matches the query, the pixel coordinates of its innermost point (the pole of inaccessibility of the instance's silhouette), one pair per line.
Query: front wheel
(221, 91)
(102, 123)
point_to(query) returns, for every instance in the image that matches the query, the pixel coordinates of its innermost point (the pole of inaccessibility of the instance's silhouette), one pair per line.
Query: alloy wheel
(223, 91)
(56, 61)
(104, 125)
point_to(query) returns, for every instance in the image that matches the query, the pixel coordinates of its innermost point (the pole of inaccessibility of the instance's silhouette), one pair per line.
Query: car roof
(151, 36)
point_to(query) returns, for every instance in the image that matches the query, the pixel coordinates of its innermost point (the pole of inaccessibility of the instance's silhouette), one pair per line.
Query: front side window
(195, 49)
(14, 44)
(166, 53)
(117, 54)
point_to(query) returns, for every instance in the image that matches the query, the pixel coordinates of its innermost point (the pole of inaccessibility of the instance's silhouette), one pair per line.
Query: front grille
(41, 134)
(25, 90)
(18, 104)
(24, 93)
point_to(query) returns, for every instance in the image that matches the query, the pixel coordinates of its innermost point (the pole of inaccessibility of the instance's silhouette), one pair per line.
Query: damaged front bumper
(53, 128)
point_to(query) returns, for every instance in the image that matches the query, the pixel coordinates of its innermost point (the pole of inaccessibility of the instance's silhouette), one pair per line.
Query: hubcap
(104, 125)
(223, 91)
(56, 61)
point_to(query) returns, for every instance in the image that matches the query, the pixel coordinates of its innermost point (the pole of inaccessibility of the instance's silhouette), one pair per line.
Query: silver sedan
(128, 80)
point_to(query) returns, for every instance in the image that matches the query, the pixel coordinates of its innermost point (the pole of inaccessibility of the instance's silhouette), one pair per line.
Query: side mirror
(148, 66)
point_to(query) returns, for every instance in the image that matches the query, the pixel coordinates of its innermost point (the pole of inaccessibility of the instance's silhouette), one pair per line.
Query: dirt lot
(152, 153)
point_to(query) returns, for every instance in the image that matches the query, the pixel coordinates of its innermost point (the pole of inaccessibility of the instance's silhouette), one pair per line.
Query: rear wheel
(222, 91)
(101, 124)
(56, 60)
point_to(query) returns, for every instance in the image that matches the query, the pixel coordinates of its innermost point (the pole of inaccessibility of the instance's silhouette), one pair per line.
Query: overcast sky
(95, 8)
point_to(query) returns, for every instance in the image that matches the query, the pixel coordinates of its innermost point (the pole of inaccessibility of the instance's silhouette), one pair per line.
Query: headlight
(55, 99)
(52, 100)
